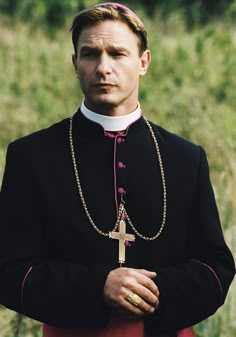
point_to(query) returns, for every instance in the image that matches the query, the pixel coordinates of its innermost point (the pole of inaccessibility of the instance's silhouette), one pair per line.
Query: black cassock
(53, 264)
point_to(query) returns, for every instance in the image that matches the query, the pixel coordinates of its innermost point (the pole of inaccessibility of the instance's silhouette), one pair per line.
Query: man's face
(108, 66)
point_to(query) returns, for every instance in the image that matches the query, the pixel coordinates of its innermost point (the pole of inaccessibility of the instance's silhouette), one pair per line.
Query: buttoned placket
(120, 171)
(119, 165)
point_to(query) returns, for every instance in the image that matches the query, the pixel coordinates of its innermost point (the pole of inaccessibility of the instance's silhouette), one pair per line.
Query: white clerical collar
(115, 123)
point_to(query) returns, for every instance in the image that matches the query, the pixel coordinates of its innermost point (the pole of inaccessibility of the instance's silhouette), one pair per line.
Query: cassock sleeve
(57, 292)
(194, 289)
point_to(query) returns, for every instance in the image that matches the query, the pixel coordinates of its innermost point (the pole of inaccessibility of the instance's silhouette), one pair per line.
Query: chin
(104, 102)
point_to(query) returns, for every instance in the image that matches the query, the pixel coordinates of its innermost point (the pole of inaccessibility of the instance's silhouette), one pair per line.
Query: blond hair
(109, 11)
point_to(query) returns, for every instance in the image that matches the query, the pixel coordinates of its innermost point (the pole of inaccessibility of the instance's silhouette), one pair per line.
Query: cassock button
(120, 140)
(121, 165)
(121, 190)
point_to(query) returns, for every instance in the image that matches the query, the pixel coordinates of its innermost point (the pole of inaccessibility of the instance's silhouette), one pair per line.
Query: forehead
(108, 32)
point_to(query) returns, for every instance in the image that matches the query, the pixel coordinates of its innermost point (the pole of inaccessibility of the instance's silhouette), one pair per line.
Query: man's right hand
(121, 282)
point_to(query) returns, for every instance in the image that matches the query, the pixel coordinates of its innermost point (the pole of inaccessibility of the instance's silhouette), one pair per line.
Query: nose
(104, 64)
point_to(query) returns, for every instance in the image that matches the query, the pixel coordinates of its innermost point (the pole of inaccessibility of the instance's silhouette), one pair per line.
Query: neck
(111, 110)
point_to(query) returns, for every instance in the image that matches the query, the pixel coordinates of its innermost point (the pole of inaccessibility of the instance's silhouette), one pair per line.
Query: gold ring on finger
(133, 299)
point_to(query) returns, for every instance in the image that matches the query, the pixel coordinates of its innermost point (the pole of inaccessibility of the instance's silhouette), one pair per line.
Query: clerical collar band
(115, 123)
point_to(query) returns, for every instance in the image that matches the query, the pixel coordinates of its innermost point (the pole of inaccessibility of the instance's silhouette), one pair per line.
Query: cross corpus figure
(122, 236)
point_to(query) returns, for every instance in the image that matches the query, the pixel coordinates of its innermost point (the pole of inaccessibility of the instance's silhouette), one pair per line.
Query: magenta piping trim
(23, 284)
(213, 272)
(109, 134)
(114, 171)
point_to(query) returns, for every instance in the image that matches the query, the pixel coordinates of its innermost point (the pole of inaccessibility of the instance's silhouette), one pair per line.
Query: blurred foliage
(53, 13)
(194, 11)
(189, 89)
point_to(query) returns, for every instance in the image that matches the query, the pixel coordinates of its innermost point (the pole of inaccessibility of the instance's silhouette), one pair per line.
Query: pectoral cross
(122, 237)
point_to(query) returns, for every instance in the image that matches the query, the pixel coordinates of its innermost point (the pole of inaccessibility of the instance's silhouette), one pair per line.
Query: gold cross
(122, 237)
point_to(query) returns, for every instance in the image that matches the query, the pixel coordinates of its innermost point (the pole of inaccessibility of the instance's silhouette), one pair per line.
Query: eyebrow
(98, 49)
(90, 48)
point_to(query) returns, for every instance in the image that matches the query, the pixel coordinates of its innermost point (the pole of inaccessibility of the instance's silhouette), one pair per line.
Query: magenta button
(120, 140)
(121, 190)
(121, 165)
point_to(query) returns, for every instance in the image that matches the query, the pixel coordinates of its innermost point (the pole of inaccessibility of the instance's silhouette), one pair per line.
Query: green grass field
(190, 89)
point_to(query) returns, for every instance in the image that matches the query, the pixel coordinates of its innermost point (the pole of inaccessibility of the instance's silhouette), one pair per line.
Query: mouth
(103, 84)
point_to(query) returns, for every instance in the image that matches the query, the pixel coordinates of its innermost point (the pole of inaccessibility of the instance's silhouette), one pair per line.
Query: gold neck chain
(121, 211)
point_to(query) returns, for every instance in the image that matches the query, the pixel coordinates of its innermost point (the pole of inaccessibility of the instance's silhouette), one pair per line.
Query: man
(108, 222)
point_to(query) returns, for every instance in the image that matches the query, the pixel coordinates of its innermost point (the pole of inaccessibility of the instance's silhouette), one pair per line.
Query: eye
(116, 53)
(89, 54)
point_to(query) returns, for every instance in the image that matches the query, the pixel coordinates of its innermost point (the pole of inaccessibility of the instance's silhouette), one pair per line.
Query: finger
(148, 296)
(137, 302)
(133, 277)
(123, 280)
(148, 273)
(157, 304)
(148, 308)
(131, 309)
(147, 283)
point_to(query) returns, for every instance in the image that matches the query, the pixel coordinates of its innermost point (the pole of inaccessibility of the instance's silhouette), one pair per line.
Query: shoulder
(175, 143)
(42, 140)
(178, 151)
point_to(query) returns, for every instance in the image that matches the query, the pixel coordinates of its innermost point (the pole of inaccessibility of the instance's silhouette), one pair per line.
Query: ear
(74, 61)
(144, 62)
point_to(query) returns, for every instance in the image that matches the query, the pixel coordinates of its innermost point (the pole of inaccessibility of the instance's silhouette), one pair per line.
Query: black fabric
(43, 225)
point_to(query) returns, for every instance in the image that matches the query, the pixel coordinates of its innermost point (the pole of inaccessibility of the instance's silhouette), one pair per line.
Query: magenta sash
(115, 328)
(187, 332)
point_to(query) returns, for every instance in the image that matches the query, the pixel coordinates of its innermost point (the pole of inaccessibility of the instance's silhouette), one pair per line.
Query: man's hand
(121, 282)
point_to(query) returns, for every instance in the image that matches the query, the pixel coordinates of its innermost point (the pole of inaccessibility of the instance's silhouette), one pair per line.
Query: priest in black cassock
(108, 222)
